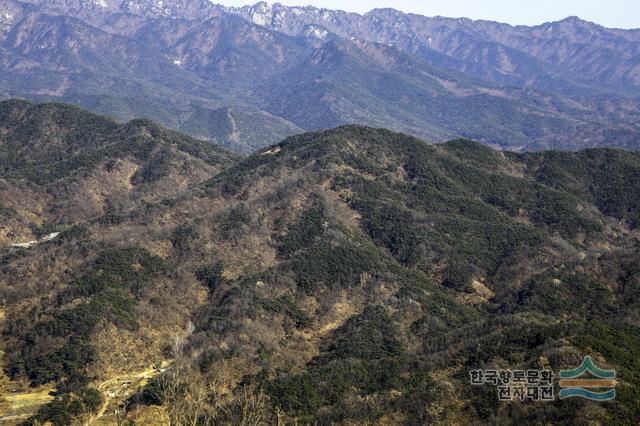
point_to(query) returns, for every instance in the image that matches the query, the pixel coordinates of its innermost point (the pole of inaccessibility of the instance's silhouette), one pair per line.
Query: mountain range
(346, 276)
(246, 77)
(290, 215)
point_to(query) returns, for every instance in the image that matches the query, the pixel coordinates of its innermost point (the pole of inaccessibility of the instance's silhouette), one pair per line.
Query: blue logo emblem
(572, 384)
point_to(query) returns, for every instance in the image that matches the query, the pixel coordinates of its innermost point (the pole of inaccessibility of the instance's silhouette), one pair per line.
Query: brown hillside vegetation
(350, 276)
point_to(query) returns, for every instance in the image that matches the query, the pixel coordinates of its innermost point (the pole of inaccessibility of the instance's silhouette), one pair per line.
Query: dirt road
(124, 386)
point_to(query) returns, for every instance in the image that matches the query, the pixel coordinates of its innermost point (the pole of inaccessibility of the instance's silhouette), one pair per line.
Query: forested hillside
(349, 276)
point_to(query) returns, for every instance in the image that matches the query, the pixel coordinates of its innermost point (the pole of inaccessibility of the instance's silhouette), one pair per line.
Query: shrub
(64, 409)
(370, 335)
(284, 305)
(211, 275)
(302, 233)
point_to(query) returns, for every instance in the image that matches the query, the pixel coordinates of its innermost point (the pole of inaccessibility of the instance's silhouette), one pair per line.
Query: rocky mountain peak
(316, 32)
(177, 9)
(6, 19)
(10, 12)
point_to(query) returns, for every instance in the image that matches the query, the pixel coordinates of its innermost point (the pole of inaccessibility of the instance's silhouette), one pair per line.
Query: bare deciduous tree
(254, 407)
(177, 346)
(191, 327)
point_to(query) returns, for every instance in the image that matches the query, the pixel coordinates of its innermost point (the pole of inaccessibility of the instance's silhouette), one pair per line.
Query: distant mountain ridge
(247, 77)
(485, 49)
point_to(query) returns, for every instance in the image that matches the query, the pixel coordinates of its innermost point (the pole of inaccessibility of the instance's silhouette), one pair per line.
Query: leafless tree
(177, 346)
(190, 328)
(254, 407)
(188, 398)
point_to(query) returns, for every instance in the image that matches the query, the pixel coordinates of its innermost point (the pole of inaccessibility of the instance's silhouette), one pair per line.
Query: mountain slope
(280, 70)
(561, 56)
(343, 272)
(361, 82)
(370, 268)
(63, 164)
(57, 57)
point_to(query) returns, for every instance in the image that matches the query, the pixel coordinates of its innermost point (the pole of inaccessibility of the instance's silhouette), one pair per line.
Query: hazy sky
(611, 13)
